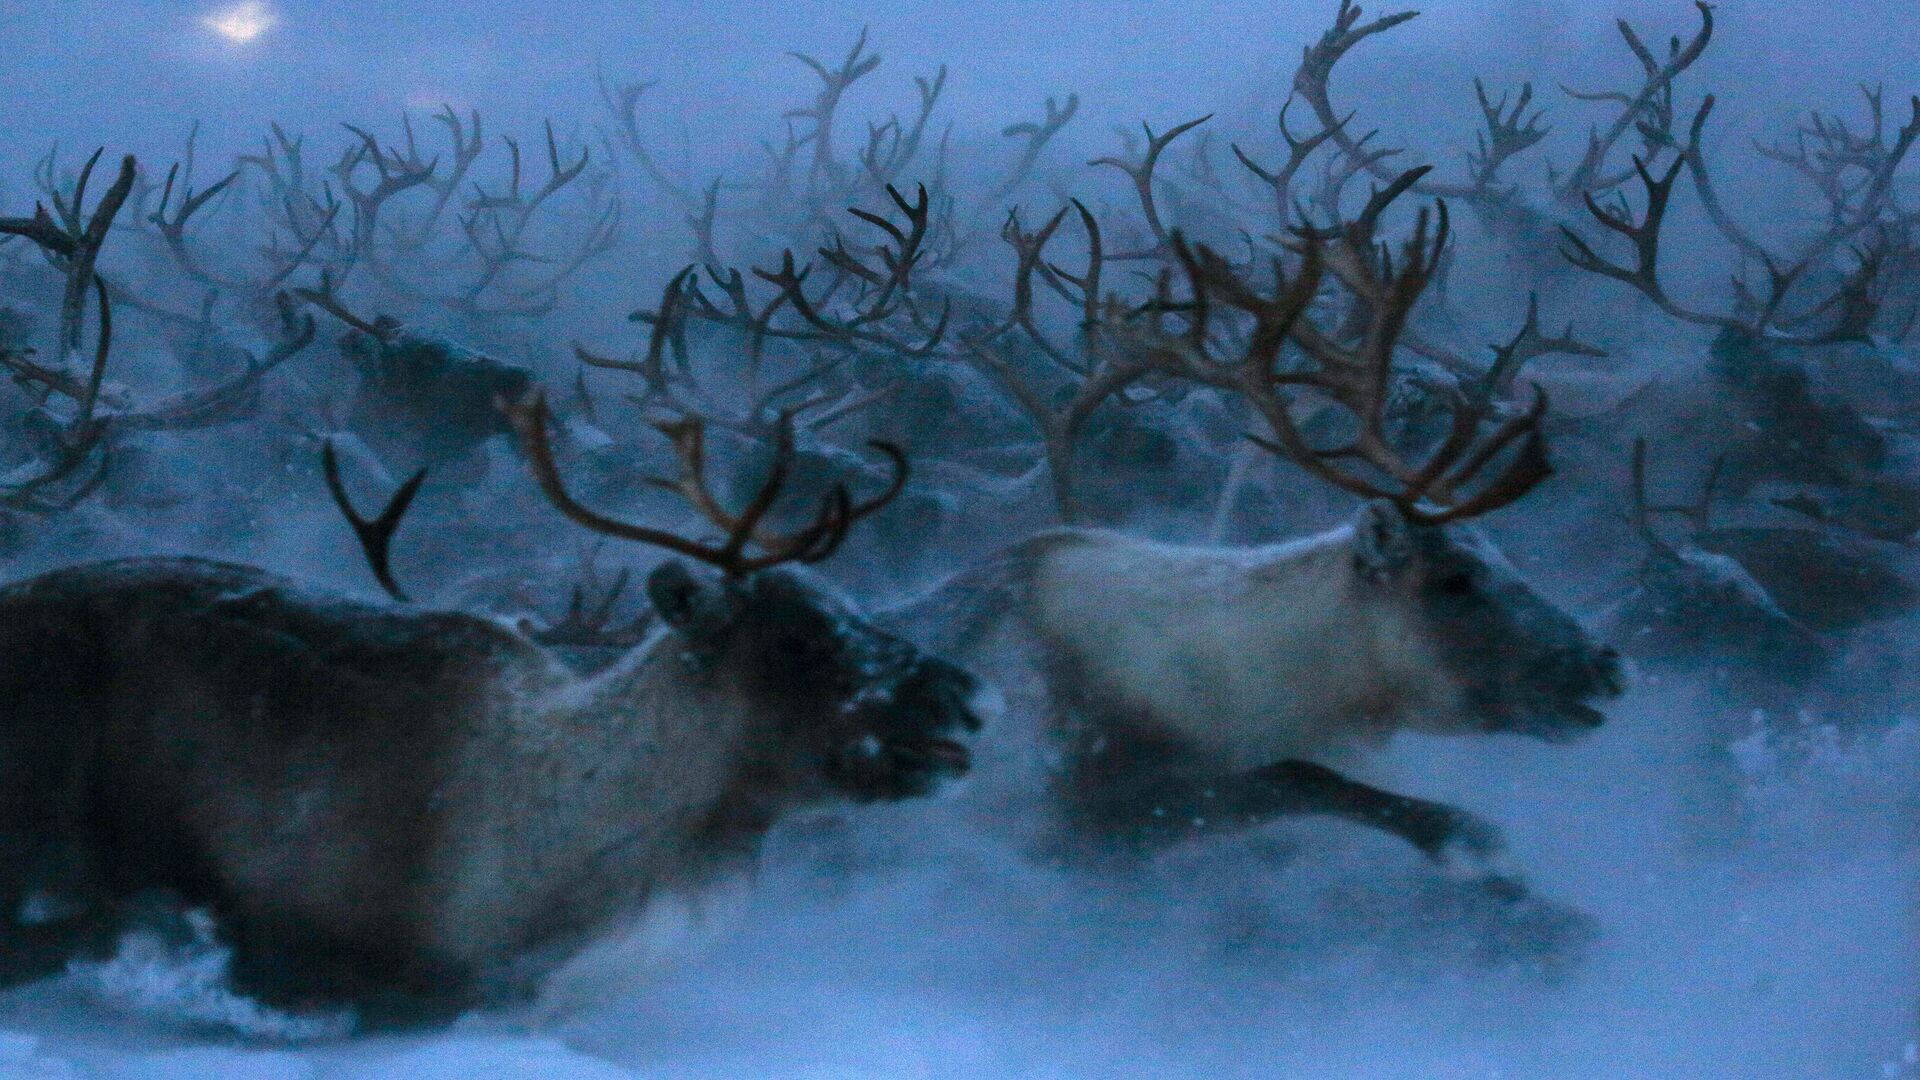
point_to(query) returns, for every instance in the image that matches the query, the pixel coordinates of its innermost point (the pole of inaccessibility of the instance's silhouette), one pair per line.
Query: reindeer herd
(1081, 469)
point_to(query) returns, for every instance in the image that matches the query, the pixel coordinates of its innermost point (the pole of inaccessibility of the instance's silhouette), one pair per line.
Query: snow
(909, 942)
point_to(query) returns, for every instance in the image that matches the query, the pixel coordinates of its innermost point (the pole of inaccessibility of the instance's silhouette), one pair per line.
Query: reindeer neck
(601, 790)
(1378, 627)
(657, 697)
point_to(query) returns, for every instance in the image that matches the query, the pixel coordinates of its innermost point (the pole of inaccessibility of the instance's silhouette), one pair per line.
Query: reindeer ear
(1383, 542)
(684, 601)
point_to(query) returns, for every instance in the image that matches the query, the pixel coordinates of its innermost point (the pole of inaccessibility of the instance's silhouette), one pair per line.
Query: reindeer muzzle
(907, 733)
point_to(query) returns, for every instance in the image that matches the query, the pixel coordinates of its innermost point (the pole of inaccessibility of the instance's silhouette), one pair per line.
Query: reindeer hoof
(1504, 888)
(1448, 831)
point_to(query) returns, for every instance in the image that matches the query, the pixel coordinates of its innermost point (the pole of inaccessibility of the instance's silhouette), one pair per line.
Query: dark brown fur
(394, 806)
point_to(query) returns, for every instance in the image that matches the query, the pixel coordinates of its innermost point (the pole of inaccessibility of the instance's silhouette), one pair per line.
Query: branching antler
(382, 327)
(1508, 133)
(1312, 79)
(1648, 110)
(375, 534)
(1527, 345)
(1312, 83)
(886, 289)
(833, 85)
(74, 242)
(185, 411)
(309, 219)
(892, 146)
(1037, 135)
(394, 172)
(1141, 173)
(496, 226)
(1853, 304)
(468, 144)
(1111, 364)
(1280, 178)
(1357, 376)
(78, 439)
(172, 219)
(810, 544)
(867, 305)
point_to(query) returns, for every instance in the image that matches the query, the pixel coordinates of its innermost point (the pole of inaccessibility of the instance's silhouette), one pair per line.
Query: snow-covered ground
(915, 946)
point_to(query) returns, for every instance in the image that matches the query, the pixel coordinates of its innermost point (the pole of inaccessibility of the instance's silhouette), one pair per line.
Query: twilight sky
(134, 73)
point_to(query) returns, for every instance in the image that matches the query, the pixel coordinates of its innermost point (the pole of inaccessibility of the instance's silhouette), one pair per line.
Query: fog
(1723, 880)
(135, 75)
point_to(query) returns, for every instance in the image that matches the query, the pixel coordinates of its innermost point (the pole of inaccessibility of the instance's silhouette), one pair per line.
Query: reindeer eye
(800, 648)
(1460, 584)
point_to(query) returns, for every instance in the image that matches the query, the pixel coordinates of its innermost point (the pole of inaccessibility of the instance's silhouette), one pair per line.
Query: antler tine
(1356, 374)
(530, 420)
(327, 300)
(901, 471)
(1707, 491)
(1530, 467)
(1525, 472)
(689, 437)
(842, 513)
(769, 492)
(839, 513)
(1466, 417)
(810, 544)
(822, 538)
(604, 611)
(376, 534)
(1699, 513)
(1358, 377)
(1638, 515)
(818, 539)
(1276, 320)
(1641, 514)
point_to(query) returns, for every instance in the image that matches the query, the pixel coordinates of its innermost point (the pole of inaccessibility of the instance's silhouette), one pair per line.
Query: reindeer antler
(811, 544)
(375, 534)
(1698, 513)
(1354, 370)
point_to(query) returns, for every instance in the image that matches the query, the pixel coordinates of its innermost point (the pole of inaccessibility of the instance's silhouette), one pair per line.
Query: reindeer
(416, 810)
(1760, 615)
(420, 401)
(1691, 604)
(1196, 688)
(1769, 603)
(72, 454)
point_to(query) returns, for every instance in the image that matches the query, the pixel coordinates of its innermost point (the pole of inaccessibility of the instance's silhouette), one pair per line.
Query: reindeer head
(1691, 605)
(1517, 662)
(856, 711)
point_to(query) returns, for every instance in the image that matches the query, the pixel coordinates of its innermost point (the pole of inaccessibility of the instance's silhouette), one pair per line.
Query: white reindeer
(1200, 687)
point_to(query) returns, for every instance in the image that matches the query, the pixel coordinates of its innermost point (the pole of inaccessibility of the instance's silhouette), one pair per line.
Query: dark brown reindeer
(1838, 288)
(1201, 688)
(1760, 615)
(417, 810)
(75, 444)
(1766, 605)
(418, 400)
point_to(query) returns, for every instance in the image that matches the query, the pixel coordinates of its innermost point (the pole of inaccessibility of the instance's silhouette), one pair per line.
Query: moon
(241, 23)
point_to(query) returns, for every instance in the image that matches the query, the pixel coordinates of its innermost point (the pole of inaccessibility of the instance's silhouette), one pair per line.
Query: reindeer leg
(1171, 805)
(1302, 787)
